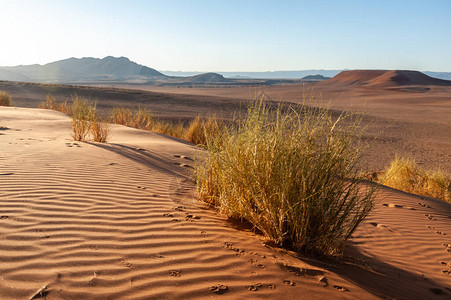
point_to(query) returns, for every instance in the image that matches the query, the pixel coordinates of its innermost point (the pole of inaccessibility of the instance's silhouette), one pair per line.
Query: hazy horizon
(232, 36)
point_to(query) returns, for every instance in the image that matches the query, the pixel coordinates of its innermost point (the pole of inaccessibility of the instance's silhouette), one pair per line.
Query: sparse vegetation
(200, 129)
(141, 118)
(5, 99)
(85, 120)
(292, 174)
(51, 103)
(406, 175)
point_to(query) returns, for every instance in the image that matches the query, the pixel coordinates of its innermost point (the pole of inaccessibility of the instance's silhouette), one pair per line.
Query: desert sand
(121, 221)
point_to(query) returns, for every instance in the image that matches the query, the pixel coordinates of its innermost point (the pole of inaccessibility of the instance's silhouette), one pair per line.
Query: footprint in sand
(183, 157)
(430, 217)
(4, 217)
(178, 208)
(168, 215)
(447, 246)
(219, 289)
(289, 282)
(323, 280)
(126, 264)
(392, 205)
(447, 272)
(190, 217)
(142, 188)
(256, 263)
(423, 205)
(175, 273)
(254, 287)
(341, 288)
(444, 263)
(183, 165)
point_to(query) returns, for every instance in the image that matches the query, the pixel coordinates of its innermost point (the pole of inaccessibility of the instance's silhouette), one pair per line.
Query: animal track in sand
(231, 247)
(256, 263)
(447, 272)
(324, 281)
(423, 205)
(142, 188)
(254, 287)
(444, 263)
(430, 217)
(125, 263)
(4, 217)
(219, 289)
(392, 205)
(289, 282)
(175, 273)
(341, 288)
(191, 218)
(168, 215)
(183, 157)
(178, 208)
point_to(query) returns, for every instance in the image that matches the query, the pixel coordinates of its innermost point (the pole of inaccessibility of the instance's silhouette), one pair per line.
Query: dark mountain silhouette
(384, 78)
(85, 69)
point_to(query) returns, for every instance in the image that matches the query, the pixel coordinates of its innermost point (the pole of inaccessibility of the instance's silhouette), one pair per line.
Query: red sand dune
(387, 78)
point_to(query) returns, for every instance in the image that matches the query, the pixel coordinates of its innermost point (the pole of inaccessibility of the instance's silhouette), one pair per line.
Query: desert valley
(123, 219)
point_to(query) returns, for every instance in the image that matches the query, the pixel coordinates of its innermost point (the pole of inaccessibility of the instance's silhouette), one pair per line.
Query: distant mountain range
(122, 70)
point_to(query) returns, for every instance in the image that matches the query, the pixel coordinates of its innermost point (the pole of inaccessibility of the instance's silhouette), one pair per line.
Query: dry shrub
(406, 175)
(51, 103)
(200, 129)
(83, 112)
(5, 99)
(100, 130)
(292, 174)
(140, 118)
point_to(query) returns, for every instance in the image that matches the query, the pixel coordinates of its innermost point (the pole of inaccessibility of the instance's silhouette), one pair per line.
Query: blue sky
(232, 35)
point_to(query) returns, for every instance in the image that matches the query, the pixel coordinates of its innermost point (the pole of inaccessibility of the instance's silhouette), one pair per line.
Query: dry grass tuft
(406, 175)
(100, 130)
(200, 129)
(5, 99)
(51, 103)
(85, 120)
(83, 112)
(140, 118)
(292, 174)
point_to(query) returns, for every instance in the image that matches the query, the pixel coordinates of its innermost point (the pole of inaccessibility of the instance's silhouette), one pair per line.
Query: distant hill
(315, 77)
(83, 69)
(207, 78)
(386, 78)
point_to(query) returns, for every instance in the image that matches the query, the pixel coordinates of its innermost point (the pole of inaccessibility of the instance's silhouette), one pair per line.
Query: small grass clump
(140, 118)
(85, 120)
(406, 175)
(5, 99)
(51, 103)
(292, 174)
(200, 129)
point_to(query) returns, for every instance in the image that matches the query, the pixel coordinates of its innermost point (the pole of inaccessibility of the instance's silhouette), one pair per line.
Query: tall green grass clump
(292, 174)
(406, 175)
(85, 120)
(5, 99)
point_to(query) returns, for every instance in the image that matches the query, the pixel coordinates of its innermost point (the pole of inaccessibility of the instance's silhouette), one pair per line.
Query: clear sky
(232, 35)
